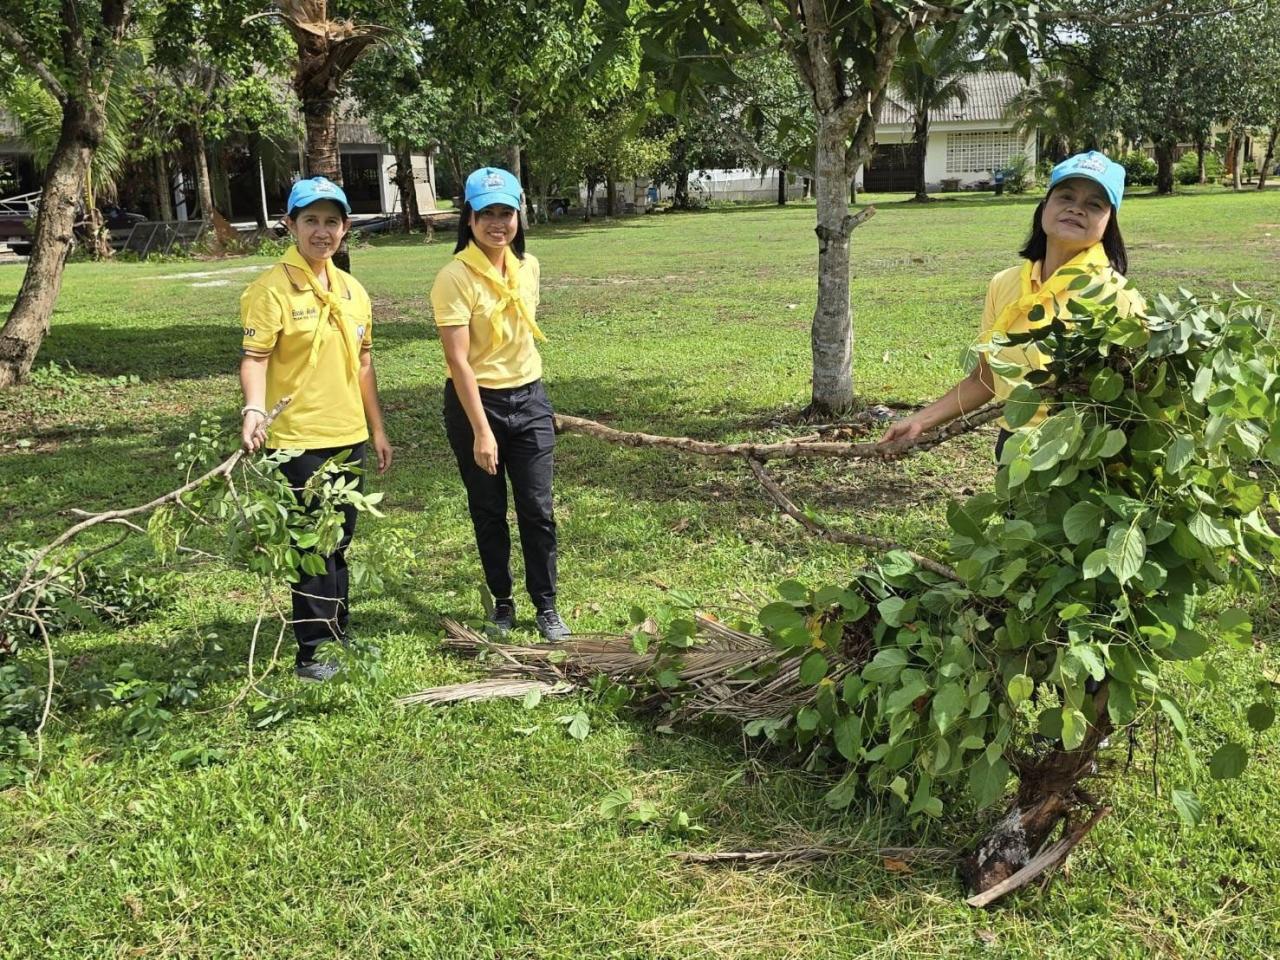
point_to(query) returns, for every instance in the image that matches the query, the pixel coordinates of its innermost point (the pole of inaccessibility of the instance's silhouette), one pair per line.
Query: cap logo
(493, 180)
(1092, 163)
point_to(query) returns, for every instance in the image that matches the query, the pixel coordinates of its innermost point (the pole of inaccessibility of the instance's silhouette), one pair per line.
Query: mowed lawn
(357, 828)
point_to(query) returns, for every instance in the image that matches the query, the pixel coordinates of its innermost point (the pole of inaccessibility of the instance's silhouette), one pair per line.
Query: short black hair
(465, 236)
(1112, 241)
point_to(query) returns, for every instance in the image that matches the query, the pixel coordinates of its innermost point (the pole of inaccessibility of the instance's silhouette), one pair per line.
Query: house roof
(988, 94)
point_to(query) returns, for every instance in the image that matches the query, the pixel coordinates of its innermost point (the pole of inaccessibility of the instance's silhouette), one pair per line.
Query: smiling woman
(1074, 233)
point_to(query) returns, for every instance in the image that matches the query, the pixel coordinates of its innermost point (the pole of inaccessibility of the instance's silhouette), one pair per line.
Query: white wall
(935, 159)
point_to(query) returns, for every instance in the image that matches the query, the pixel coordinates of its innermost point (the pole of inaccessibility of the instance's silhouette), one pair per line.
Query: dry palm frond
(727, 672)
(479, 690)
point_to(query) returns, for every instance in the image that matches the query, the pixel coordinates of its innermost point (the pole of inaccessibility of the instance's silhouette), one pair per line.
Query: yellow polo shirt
(1006, 287)
(461, 298)
(280, 315)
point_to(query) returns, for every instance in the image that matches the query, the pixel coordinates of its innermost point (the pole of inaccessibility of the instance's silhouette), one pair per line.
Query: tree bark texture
(782, 185)
(204, 183)
(610, 195)
(83, 124)
(1048, 791)
(410, 218)
(1164, 167)
(1269, 157)
(1200, 168)
(831, 334)
(163, 190)
(920, 137)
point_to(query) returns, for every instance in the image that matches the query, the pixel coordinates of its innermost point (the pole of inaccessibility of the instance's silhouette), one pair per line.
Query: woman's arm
(965, 397)
(373, 411)
(457, 342)
(253, 381)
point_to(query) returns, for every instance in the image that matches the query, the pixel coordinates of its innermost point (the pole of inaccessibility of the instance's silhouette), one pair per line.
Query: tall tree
(74, 48)
(843, 56)
(327, 49)
(929, 79)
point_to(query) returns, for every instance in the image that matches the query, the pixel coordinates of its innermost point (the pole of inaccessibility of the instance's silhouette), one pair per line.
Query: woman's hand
(253, 431)
(908, 428)
(382, 448)
(485, 451)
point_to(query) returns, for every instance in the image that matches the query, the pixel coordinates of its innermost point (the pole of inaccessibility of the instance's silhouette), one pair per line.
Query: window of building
(981, 152)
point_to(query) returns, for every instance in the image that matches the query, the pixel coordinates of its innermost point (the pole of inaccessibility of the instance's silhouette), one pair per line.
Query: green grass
(357, 828)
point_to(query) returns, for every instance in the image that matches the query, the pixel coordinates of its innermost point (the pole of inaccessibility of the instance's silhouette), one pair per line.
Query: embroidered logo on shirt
(360, 332)
(250, 332)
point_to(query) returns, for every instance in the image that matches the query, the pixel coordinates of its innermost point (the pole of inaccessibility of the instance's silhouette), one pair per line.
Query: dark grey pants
(321, 602)
(523, 426)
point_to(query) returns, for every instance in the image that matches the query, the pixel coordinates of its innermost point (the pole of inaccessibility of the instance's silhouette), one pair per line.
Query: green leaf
(1179, 454)
(1126, 549)
(1082, 522)
(793, 590)
(533, 698)
(948, 704)
(1188, 806)
(1210, 532)
(1074, 727)
(578, 725)
(1236, 628)
(885, 666)
(890, 610)
(987, 781)
(1113, 444)
(813, 668)
(1022, 406)
(847, 733)
(779, 616)
(1107, 385)
(1228, 762)
(842, 794)
(1020, 689)
(615, 803)
(1261, 716)
(1095, 564)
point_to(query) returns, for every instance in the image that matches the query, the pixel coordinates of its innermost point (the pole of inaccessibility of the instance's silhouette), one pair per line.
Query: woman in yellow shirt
(1074, 228)
(308, 332)
(496, 412)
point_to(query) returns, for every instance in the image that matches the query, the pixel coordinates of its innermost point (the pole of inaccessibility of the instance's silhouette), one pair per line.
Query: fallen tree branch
(788, 506)
(1046, 859)
(867, 450)
(768, 858)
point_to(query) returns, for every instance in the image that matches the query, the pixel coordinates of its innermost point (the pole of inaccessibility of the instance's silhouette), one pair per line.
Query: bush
(1139, 169)
(1187, 169)
(1019, 174)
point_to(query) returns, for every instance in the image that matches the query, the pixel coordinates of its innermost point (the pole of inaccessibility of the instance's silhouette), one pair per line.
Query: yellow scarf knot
(1053, 291)
(331, 303)
(507, 287)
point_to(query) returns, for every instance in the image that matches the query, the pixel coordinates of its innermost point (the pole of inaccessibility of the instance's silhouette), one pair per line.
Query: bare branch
(788, 506)
(30, 59)
(1045, 860)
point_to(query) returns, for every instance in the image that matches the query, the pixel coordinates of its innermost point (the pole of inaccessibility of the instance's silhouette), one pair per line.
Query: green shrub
(1187, 169)
(1139, 169)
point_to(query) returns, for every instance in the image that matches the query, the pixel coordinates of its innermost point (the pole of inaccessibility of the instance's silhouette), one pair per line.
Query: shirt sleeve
(989, 309)
(451, 299)
(261, 317)
(535, 282)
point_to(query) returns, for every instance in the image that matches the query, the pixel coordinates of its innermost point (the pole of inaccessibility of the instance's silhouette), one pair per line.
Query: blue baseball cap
(1096, 167)
(307, 192)
(490, 185)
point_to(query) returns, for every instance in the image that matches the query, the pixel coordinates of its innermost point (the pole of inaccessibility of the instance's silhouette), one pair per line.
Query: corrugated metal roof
(988, 93)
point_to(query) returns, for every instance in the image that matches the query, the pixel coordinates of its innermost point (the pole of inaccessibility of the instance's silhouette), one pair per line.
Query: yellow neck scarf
(300, 273)
(507, 286)
(1053, 291)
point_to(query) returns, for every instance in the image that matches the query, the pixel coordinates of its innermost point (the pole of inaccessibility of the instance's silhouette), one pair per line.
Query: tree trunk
(832, 333)
(204, 184)
(1200, 147)
(1164, 167)
(782, 185)
(680, 164)
(1270, 155)
(410, 218)
(1048, 790)
(807, 190)
(323, 159)
(255, 165)
(610, 195)
(28, 322)
(920, 137)
(164, 190)
(513, 165)
(591, 198)
(1237, 159)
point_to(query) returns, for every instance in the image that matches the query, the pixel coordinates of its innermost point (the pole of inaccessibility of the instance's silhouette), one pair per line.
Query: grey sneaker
(317, 671)
(504, 616)
(551, 626)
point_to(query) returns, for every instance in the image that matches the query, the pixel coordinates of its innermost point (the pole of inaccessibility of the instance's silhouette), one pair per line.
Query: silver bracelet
(249, 409)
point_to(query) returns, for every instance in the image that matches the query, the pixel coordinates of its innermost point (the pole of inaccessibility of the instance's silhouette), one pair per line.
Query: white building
(967, 144)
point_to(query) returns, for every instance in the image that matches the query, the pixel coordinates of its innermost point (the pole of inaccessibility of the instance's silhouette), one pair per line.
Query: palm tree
(1059, 108)
(327, 49)
(930, 82)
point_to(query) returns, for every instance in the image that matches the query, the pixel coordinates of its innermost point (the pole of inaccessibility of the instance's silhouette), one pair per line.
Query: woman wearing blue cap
(308, 332)
(1074, 228)
(496, 412)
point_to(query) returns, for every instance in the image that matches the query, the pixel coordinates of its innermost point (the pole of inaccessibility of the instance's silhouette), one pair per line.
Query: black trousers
(1001, 439)
(523, 426)
(321, 601)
